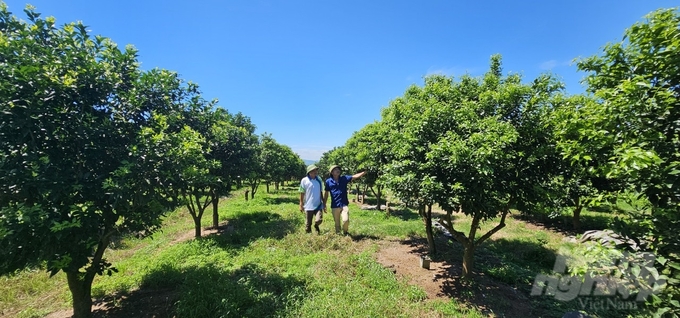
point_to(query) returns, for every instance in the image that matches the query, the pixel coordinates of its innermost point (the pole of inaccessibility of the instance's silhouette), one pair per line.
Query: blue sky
(313, 72)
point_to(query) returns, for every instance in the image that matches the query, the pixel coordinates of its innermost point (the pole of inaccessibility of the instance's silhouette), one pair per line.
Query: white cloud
(450, 71)
(310, 152)
(548, 65)
(551, 64)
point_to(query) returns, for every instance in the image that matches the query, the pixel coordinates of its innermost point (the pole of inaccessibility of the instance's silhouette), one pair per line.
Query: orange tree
(72, 109)
(479, 146)
(371, 153)
(636, 126)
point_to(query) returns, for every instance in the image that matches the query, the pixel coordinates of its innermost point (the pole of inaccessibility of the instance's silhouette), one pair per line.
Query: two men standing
(336, 188)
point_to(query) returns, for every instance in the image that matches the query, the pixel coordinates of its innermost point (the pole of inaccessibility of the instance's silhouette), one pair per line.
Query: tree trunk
(468, 259)
(81, 288)
(577, 215)
(253, 189)
(428, 230)
(197, 224)
(357, 188)
(215, 204)
(196, 209)
(80, 284)
(246, 195)
(276, 186)
(267, 183)
(377, 193)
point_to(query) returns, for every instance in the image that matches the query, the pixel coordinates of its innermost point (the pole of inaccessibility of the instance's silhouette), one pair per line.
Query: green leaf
(674, 265)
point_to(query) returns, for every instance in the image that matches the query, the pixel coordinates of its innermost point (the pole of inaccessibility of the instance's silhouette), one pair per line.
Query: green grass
(264, 265)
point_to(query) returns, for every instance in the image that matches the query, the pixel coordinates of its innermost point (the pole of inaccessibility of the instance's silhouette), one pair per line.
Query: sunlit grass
(264, 265)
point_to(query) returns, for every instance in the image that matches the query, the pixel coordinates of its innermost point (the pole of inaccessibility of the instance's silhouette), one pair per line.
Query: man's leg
(308, 224)
(336, 217)
(345, 219)
(319, 219)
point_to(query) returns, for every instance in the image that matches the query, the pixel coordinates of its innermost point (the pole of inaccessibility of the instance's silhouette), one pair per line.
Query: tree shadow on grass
(564, 224)
(208, 291)
(404, 214)
(246, 227)
(361, 237)
(503, 273)
(281, 200)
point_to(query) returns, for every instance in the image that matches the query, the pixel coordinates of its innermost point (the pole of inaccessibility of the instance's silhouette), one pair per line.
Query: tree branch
(474, 226)
(494, 230)
(459, 236)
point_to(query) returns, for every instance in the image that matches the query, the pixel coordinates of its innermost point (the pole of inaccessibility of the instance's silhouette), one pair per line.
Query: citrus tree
(637, 122)
(72, 108)
(479, 146)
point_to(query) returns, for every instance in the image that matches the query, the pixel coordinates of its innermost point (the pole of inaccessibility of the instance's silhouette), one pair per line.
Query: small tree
(579, 182)
(231, 146)
(372, 153)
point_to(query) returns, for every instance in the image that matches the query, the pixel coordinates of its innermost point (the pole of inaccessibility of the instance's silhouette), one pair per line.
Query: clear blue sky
(313, 72)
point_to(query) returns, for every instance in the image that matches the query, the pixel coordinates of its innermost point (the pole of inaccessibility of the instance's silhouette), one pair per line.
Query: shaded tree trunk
(276, 186)
(577, 214)
(215, 205)
(267, 184)
(468, 260)
(197, 221)
(377, 194)
(428, 229)
(246, 195)
(80, 284)
(81, 292)
(469, 242)
(197, 208)
(253, 188)
(426, 215)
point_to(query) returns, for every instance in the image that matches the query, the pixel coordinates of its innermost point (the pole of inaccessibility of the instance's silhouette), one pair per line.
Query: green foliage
(343, 156)
(636, 123)
(372, 152)
(67, 124)
(477, 145)
(73, 107)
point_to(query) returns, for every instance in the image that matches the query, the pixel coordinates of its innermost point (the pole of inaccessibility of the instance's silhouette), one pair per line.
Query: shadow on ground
(563, 223)
(281, 200)
(404, 214)
(207, 291)
(489, 290)
(361, 237)
(243, 228)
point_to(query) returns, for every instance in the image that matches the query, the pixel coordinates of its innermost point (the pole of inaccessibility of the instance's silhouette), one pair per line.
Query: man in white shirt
(310, 198)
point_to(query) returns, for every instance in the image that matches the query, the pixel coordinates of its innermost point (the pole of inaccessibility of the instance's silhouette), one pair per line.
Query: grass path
(264, 265)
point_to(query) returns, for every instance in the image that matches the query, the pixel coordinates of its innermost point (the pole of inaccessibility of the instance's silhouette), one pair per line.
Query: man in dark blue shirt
(336, 186)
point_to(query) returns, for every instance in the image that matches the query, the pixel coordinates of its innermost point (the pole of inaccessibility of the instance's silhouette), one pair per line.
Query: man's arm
(302, 200)
(325, 199)
(358, 175)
